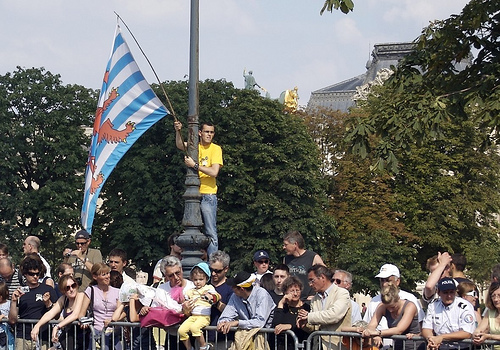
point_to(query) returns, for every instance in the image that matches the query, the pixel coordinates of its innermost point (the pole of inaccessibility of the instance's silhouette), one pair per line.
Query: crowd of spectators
(299, 295)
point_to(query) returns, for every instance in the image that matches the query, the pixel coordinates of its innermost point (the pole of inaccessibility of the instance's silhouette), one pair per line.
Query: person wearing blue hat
(261, 262)
(202, 296)
(449, 318)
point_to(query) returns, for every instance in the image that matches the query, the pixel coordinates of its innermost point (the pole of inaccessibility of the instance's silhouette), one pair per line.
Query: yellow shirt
(208, 155)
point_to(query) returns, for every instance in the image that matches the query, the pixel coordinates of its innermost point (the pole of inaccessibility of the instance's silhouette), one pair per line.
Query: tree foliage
(269, 183)
(42, 151)
(362, 203)
(428, 90)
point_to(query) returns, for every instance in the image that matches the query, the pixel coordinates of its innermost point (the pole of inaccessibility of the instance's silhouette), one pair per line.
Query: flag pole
(192, 240)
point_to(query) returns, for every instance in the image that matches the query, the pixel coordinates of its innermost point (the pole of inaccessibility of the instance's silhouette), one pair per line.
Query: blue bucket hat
(204, 267)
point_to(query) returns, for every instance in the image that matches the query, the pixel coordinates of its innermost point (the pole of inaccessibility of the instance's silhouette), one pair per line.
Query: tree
(362, 203)
(434, 123)
(42, 127)
(427, 88)
(269, 183)
(448, 192)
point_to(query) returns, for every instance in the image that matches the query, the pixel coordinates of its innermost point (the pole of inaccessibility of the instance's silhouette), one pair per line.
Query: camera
(24, 289)
(78, 280)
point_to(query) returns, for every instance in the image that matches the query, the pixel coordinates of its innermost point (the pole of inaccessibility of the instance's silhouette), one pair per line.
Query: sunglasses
(73, 286)
(337, 281)
(33, 274)
(263, 262)
(81, 243)
(216, 271)
(472, 293)
(178, 273)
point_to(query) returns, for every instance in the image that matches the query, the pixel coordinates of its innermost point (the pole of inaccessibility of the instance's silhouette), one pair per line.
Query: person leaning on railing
(402, 318)
(69, 304)
(489, 328)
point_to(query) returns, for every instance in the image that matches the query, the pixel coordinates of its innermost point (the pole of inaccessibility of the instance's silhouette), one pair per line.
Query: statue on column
(250, 82)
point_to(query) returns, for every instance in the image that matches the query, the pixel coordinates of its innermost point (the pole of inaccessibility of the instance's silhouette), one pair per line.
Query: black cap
(446, 284)
(242, 279)
(82, 234)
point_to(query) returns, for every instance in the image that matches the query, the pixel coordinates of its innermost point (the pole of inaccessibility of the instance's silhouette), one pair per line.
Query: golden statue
(290, 99)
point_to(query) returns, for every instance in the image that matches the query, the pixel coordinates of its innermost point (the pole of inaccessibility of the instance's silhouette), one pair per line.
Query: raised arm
(54, 311)
(178, 139)
(444, 260)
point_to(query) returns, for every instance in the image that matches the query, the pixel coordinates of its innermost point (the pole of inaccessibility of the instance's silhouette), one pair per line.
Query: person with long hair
(105, 299)
(68, 306)
(401, 316)
(489, 327)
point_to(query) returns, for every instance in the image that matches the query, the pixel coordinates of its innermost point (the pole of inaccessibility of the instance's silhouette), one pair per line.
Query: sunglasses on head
(73, 286)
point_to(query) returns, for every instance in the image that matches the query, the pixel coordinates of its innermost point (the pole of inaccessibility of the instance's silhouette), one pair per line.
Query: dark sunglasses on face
(80, 243)
(73, 286)
(33, 274)
(263, 262)
(337, 281)
(216, 271)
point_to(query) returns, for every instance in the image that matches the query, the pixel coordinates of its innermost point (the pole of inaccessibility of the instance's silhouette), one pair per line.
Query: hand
(177, 125)
(134, 296)
(444, 258)
(16, 294)
(225, 327)
(46, 298)
(434, 342)
(107, 322)
(479, 337)
(55, 338)
(189, 161)
(377, 341)
(34, 333)
(144, 311)
(369, 333)
(188, 306)
(282, 327)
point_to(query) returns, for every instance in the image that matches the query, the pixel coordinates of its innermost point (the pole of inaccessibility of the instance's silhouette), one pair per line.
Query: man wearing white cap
(249, 307)
(389, 273)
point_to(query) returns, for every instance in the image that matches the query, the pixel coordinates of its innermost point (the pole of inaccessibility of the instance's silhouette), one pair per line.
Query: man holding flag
(208, 166)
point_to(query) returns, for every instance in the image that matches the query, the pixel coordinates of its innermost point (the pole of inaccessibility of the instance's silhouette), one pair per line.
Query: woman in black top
(285, 314)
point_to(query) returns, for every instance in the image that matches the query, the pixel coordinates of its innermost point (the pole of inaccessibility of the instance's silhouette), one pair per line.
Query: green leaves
(344, 5)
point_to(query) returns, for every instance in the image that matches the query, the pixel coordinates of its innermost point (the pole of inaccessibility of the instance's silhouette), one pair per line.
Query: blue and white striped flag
(127, 108)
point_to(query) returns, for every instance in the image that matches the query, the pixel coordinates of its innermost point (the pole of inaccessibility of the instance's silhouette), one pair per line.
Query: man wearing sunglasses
(219, 267)
(31, 303)
(83, 258)
(343, 279)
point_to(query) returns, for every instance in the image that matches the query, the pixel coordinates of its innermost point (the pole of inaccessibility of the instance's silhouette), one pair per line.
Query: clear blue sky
(285, 43)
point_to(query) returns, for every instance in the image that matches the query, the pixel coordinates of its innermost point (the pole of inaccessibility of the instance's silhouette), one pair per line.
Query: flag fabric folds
(127, 107)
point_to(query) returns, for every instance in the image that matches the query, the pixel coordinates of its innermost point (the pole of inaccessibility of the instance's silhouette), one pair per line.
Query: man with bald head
(32, 245)
(10, 275)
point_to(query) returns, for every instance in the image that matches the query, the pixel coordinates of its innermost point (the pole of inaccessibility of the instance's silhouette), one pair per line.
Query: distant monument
(250, 82)
(290, 99)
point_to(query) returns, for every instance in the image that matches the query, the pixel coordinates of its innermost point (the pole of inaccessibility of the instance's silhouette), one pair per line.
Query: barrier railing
(130, 336)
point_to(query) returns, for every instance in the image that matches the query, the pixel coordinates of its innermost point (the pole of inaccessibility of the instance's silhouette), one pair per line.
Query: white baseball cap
(388, 270)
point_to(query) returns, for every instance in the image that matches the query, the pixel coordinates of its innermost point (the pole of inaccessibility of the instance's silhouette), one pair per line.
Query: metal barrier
(130, 336)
